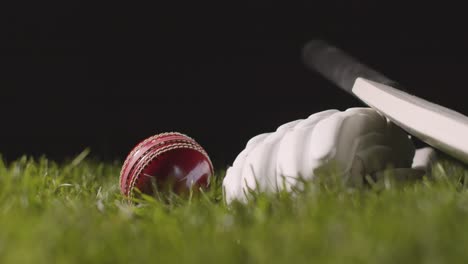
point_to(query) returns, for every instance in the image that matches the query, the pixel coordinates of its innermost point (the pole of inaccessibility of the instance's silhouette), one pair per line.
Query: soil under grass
(73, 213)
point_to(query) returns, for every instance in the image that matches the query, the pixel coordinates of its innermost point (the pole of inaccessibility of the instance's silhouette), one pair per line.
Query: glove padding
(359, 141)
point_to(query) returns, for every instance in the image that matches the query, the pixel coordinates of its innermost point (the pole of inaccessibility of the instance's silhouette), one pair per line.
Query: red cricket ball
(167, 159)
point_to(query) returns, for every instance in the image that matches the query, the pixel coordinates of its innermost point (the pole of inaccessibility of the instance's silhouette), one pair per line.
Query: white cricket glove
(359, 141)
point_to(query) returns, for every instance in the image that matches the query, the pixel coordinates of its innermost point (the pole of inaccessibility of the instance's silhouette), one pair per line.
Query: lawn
(72, 212)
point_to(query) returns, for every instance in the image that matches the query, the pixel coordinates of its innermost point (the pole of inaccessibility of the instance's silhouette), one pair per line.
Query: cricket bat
(436, 125)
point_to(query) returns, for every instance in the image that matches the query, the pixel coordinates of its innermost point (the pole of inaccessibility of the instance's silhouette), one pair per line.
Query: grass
(73, 213)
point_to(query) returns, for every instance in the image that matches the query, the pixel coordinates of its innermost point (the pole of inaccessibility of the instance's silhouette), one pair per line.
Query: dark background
(105, 76)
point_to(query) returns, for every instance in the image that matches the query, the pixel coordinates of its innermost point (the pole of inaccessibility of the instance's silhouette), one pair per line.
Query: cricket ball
(167, 161)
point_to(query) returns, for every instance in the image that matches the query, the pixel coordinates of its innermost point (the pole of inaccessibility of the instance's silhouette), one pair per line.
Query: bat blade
(438, 126)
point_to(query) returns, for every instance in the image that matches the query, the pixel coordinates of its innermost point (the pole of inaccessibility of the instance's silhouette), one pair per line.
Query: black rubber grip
(339, 67)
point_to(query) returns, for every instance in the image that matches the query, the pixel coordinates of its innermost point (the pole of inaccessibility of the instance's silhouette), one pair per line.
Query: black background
(105, 76)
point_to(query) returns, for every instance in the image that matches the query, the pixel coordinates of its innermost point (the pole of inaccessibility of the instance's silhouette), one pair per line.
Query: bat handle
(339, 67)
